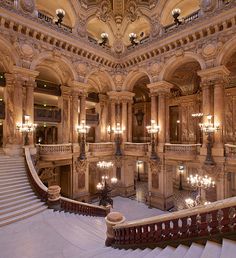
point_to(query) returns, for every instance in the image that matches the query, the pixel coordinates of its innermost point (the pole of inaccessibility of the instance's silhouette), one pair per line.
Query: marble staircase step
(7, 191)
(194, 251)
(15, 202)
(24, 191)
(14, 182)
(13, 199)
(166, 252)
(15, 186)
(22, 216)
(19, 206)
(19, 212)
(9, 177)
(15, 172)
(228, 249)
(180, 251)
(211, 250)
(153, 253)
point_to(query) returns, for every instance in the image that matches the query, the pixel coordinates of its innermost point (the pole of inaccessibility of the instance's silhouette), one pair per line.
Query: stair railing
(199, 224)
(65, 204)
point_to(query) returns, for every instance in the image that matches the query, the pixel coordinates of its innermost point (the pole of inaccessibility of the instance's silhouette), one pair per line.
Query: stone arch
(133, 77)
(8, 55)
(101, 79)
(226, 52)
(62, 66)
(176, 62)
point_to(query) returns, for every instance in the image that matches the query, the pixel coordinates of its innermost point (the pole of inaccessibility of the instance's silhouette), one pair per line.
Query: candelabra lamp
(153, 130)
(26, 128)
(176, 13)
(197, 118)
(118, 132)
(181, 172)
(103, 187)
(209, 129)
(104, 37)
(133, 39)
(199, 183)
(82, 130)
(60, 14)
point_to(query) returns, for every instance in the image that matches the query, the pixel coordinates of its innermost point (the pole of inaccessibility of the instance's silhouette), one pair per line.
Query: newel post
(112, 219)
(54, 197)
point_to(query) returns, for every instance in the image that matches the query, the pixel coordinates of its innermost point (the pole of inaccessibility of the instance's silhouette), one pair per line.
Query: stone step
(20, 200)
(180, 251)
(7, 191)
(19, 197)
(228, 249)
(15, 186)
(10, 176)
(19, 212)
(16, 194)
(154, 253)
(19, 206)
(24, 215)
(194, 251)
(137, 253)
(211, 250)
(12, 182)
(166, 252)
(13, 172)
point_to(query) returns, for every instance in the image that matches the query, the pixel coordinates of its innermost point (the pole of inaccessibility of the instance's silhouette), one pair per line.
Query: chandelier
(105, 164)
(203, 182)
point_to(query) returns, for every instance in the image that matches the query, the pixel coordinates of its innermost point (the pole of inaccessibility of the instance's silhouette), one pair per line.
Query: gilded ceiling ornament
(81, 29)
(155, 27)
(118, 46)
(27, 5)
(104, 12)
(132, 13)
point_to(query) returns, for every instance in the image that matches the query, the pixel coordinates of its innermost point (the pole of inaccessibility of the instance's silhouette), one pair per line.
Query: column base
(160, 202)
(13, 150)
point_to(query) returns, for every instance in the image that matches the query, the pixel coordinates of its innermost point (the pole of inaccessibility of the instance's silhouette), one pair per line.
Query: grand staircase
(62, 234)
(17, 199)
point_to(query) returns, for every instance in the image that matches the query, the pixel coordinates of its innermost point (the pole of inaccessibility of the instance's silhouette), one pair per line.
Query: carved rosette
(27, 5)
(118, 46)
(208, 5)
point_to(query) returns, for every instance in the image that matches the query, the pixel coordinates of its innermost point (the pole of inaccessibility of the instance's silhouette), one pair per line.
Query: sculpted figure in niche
(208, 5)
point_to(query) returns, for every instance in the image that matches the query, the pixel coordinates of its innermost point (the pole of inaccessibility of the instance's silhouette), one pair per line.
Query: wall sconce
(104, 37)
(60, 14)
(133, 39)
(176, 13)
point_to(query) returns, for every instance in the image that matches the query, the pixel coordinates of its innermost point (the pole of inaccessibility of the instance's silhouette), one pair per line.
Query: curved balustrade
(101, 147)
(200, 223)
(65, 203)
(35, 181)
(55, 149)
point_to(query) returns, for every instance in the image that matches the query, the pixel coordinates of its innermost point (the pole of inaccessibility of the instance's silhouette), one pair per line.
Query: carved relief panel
(230, 119)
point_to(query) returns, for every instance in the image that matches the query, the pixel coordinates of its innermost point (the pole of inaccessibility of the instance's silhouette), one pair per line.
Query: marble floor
(63, 235)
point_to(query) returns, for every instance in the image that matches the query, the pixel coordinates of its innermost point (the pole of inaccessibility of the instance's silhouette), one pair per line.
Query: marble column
(130, 122)
(113, 118)
(74, 116)
(154, 107)
(64, 105)
(162, 118)
(124, 120)
(29, 105)
(103, 117)
(83, 107)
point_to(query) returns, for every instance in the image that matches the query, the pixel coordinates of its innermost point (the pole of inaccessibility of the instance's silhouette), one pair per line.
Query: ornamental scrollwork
(27, 5)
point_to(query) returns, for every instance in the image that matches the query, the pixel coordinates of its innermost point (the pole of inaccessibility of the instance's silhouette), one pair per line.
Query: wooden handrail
(216, 219)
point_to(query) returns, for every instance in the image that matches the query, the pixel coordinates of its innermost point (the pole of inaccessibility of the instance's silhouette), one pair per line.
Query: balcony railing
(54, 149)
(183, 149)
(101, 147)
(47, 115)
(47, 19)
(135, 148)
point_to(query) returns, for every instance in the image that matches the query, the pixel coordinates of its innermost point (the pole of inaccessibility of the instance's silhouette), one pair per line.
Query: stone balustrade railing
(230, 151)
(213, 221)
(182, 149)
(65, 203)
(136, 147)
(54, 149)
(101, 147)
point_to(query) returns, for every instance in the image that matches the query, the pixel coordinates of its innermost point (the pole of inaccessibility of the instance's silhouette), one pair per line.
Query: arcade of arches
(61, 78)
